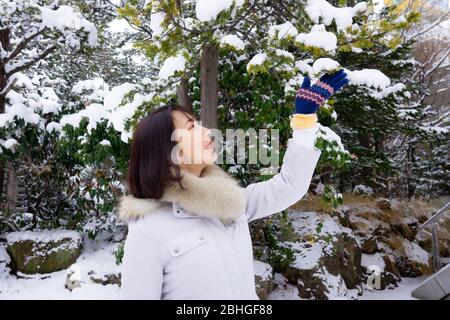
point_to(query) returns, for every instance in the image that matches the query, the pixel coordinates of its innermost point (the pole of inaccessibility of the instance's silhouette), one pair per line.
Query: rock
(345, 260)
(412, 261)
(369, 245)
(362, 189)
(390, 267)
(309, 285)
(342, 216)
(378, 270)
(105, 279)
(327, 262)
(424, 241)
(263, 279)
(34, 252)
(383, 204)
(405, 231)
(412, 268)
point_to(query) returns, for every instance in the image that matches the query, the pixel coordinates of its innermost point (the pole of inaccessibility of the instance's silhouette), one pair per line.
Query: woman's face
(195, 146)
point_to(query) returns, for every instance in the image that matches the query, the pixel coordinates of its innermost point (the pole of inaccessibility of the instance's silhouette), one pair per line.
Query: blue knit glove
(310, 98)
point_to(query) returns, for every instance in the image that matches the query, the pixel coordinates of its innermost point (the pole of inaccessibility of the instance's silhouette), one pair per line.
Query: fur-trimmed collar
(213, 194)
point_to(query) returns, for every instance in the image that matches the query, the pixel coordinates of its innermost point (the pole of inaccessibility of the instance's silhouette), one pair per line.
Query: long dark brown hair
(150, 167)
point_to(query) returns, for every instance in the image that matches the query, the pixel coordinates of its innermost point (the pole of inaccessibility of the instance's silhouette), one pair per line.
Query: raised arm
(292, 182)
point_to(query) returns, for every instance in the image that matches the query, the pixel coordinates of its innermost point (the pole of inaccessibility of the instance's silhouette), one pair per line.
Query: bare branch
(23, 44)
(7, 88)
(41, 56)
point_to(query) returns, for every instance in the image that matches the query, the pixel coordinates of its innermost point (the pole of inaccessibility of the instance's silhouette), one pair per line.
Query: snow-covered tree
(240, 62)
(54, 185)
(29, 32)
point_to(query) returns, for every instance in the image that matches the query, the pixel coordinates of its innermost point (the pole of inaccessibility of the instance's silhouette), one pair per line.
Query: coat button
(176, 250)
(201, 237)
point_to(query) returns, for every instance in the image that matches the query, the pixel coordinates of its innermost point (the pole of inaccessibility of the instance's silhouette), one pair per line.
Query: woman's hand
(310, 98)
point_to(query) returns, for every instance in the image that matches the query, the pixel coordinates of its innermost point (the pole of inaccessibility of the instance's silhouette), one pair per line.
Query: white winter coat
(195, 243)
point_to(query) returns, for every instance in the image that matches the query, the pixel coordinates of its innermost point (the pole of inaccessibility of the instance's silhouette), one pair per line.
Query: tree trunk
(6, 44)
(410, 174)
(209, 70)
(11, 190)
(183, 94)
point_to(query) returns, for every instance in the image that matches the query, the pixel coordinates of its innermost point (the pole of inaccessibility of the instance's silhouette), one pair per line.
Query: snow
(284, 53)
(306, 257)
(48, 101)
(207, 10)
(105, 142)
(10, 143)
(95, 113)
(308, 254)
(119, 116)
(42, 236)
(329, 135)
(114, 97)
(362, 189)
(283, 290)
(336, 287)
(233, 41)
(22, 80)
(343, 16)
(64, 18)
(287, 291)
(17, 108)
(53, 126)
(97, 260)
(304, 66)
(368, 77)
(120, 25)
(97, 86)
(282, 31)
(108, 105)
(318, 37)
(324, 64)
(5, 119)
(258, 59)
(401, 292)
(156, 19)
(262, 269)
(370, 260)
(384, 92)
(416, 253)
(172, 65)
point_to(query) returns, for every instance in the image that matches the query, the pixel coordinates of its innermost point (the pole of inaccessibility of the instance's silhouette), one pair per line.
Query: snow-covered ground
(100, 257)
(96, 256)
(401, 292)
(286, 291)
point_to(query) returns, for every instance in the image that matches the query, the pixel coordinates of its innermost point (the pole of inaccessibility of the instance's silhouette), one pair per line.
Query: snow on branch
(65, 18)
(343, 17)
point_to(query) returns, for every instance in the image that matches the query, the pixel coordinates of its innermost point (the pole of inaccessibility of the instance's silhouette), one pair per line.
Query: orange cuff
(303, 121)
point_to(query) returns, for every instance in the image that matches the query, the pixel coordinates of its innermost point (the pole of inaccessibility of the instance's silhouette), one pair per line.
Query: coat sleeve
(142, 265)
(291, 183)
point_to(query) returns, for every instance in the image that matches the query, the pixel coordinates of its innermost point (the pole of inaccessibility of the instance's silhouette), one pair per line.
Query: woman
(188, 220)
